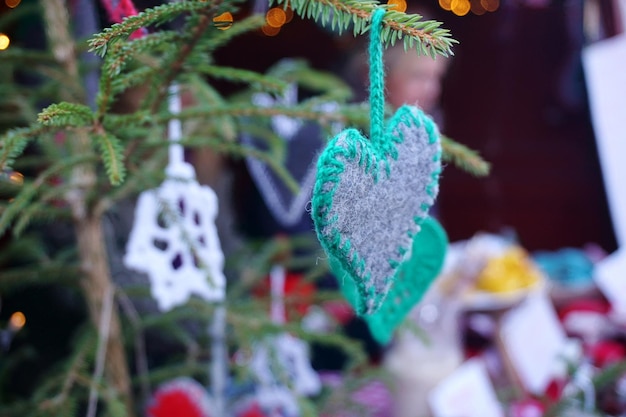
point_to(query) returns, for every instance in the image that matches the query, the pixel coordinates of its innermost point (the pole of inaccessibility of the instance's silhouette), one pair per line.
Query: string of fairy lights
(277, 17)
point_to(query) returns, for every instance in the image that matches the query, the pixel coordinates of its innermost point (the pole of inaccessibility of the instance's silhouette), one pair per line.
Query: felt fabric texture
(413, 281)
(371, 195)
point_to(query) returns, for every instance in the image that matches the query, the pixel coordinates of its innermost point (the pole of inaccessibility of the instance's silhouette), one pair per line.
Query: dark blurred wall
(516, 93)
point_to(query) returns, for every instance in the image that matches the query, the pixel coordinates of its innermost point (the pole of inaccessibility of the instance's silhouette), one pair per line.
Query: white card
(610, 277)
(604, 63)
(467, 392)
(534, 342)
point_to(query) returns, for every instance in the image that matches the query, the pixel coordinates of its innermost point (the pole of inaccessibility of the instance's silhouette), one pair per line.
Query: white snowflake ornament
(284, 359)
(174, 239)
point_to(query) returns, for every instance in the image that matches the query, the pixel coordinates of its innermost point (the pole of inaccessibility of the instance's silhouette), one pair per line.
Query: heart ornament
(371, 196)
(413, 281)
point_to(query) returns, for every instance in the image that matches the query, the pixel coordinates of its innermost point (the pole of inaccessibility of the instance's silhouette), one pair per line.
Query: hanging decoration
(181, 397)
(414, 279)
(371, 196)
(174, 239)
(283, 359)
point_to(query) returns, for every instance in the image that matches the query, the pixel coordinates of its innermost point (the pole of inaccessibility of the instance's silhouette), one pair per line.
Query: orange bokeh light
(445, 4)
(269, 30)
(397, 5)
(17, 320)
(12, 3)
(477, 8)
(460, 7)
(275, 17)
(490, 5)
(223, 21)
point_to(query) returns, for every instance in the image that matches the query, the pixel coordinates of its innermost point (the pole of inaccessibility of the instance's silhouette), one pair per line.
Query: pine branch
(347, 114)
(141, 75)
(236, 75)
(425, 36)
(122, 52)
(84, 348)
(29, 191)
(41, 211)
(152, 16)
(112, 154)
(13, 143)
(464, 158)
(58, 273)
(66, 114)
(26, 57)
(205, 95)
(174, 67)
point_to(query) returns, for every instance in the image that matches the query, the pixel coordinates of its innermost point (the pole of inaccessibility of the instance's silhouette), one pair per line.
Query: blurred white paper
(467, 392)
(610, 277)
(534, 342)
(605, 73)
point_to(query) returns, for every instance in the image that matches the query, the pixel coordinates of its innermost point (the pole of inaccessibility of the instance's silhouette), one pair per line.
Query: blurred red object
(298, 294)
(606, 352)
(180, 397)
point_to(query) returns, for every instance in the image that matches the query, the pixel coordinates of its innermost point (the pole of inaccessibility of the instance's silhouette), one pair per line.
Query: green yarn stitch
(355, 208)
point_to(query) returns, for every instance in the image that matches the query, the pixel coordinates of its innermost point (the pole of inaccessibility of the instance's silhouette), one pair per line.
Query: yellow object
(511, 271)
(4, 41)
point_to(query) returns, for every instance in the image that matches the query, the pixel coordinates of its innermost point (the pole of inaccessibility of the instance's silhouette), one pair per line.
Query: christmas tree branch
(464, 158)
(176, 64)
(29, 191)
(148, 17)
(266, 83)
(426, 36)
(13, 143)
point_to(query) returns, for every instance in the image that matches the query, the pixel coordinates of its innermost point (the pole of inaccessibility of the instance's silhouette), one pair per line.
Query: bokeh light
(460, 7)
(463, 7)
(397, 5)
(288, 14)
(12, 177)
(4, 41)
(12, 3)
(275, 17)
(490, 5)
(17, 320)
(445, 4)
(270, 30)
(477, 8)
(223, 21)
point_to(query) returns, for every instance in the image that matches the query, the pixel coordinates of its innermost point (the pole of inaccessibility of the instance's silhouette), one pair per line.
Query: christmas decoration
(174, 239)
(180, 397)
(370, 196)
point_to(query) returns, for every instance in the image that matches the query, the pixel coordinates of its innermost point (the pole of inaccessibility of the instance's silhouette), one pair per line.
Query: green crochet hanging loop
(371, 195)
(377, 79)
